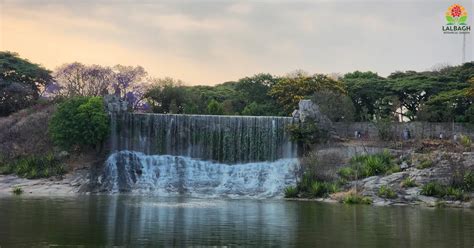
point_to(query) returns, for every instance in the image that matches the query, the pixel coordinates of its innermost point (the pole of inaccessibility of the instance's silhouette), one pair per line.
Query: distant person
(441, 136)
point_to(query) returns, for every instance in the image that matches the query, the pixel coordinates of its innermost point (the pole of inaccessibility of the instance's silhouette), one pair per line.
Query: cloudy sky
(209, 42)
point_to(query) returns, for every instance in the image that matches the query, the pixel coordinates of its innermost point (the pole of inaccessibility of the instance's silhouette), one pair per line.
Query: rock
(114, 104)
(310, 111)
(63, 155)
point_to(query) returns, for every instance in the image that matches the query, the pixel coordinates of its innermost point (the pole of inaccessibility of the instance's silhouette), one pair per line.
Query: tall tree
(289, 90)
(21, 82)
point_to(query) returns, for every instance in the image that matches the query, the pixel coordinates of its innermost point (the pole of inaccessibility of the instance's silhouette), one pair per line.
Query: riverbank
(72, 183)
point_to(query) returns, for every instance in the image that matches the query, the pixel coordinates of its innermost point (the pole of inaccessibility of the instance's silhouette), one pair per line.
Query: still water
(150, 221)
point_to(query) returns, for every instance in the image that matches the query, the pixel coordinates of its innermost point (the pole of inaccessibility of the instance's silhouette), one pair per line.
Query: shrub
(433, 189)
(80, 121)
(347, 173)
(426, 163)
(291, 192)
(408, 183)
(386, 192)
(306, 134)
(356, 199)
(37, 166)
(455, 194)
(17, 190)
(370, 165)
(465, 141)
(444, 191)
(384, 129)
(468, 181)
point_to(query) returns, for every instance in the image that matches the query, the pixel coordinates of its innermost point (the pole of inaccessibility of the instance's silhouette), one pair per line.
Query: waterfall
(200, 155)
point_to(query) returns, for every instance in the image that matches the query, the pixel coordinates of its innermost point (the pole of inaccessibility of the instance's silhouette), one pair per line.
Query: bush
(386, 192)
(321, 189)
(433, 189)
(468, 181)
(36, 167)
(80, 121)
(384, 129)
(347, 173)
(306, 134)
(291, 192)
(426, 163)
(356, 199)
(455, 194)
(17, 190)
(465, 141)
(408, 183)
(369, 165)
(443, 191)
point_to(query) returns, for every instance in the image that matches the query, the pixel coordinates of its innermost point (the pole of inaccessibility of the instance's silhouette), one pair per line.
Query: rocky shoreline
(69, 184)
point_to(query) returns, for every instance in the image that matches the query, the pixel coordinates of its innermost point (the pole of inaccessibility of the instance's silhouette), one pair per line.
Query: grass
(291, 192)
(437, 189)
(363, 166)
(32, 167)
(17, 190)
(408, 183)
(424, 164)
(310, 187)
(465, 141)
(356, 199)
(386, 192)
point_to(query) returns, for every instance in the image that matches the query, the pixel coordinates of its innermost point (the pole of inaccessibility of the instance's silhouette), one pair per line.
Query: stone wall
(418, 130)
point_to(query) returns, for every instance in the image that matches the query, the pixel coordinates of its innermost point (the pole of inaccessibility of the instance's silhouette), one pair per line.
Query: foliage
(215, 108)
(443, 191)
(408, 183)
(347, 173)
(336, 106)
(465, 141)
(306, 134)
(17, 190)
(468, 181)
(291, 192)
(369, 165)
(289, 90)
(79, 80)
(21, 82)
(356, 199)
(446, 106)
(426, 163)
(384, 129)
(386, 192)
(35, 166)
(80, 121)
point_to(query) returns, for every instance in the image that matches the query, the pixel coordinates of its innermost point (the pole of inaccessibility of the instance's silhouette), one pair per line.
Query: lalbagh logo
(456, 16)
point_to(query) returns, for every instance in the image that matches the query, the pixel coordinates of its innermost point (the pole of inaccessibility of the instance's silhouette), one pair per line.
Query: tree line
(441, 95)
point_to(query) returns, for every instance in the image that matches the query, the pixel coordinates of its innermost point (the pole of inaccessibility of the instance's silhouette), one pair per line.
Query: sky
(210, 42)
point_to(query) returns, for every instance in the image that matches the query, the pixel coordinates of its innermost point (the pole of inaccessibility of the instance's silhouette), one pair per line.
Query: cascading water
(200, 155)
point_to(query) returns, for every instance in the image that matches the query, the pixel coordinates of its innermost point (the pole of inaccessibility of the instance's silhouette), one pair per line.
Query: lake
(125, 220)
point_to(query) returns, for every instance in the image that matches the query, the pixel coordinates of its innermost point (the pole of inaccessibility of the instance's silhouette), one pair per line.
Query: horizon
(212, 42)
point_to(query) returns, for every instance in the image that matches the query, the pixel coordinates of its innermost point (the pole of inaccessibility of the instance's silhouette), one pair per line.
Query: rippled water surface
(143, 221)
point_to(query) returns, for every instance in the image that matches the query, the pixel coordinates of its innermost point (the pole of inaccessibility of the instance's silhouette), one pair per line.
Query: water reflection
(144, 221)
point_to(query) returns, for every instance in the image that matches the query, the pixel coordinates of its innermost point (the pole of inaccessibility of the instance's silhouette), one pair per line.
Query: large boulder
(309, 111)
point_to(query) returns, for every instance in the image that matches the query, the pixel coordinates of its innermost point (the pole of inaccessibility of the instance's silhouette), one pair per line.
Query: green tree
(289, 90)
(215, 108)
(336, 106)
(21, 82)
(80, 122)
(367, 91)
(446, 107)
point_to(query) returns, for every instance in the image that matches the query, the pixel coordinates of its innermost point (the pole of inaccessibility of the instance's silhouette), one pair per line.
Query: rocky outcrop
(309, 111)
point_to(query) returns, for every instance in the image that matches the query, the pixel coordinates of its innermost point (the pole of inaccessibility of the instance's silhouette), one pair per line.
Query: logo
(456, 17)
(456, 14)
